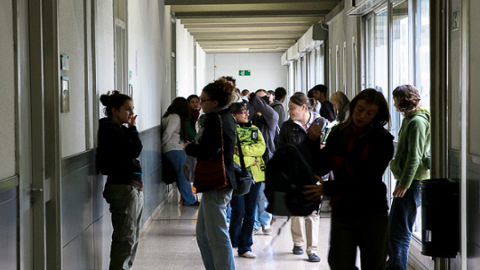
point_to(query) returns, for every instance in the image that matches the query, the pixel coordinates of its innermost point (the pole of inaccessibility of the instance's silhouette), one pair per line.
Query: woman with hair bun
(217, 127)
(117, 153)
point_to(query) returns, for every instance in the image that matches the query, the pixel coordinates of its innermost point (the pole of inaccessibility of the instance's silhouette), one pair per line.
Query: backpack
(287, 172)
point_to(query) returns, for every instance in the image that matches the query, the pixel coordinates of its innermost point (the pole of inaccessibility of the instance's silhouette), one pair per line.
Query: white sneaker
(249, 255)
(267, 229)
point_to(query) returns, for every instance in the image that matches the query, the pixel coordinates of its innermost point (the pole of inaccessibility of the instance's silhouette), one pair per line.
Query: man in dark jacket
(277, 104)
(320, 94)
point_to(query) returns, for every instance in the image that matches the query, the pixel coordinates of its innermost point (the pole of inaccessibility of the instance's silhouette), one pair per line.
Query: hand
(399, 191)
(322, 145)
(255, 162)
(133, 121)
(185, 145)
(315, 132)
(314, 192)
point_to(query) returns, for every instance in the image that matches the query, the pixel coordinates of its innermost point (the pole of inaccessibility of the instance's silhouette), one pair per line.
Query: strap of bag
(221, 135)
(240, 154)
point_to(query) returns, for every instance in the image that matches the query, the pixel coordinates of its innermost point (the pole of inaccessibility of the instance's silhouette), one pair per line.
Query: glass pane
(381, 53)
(422, 61)
(370, 53)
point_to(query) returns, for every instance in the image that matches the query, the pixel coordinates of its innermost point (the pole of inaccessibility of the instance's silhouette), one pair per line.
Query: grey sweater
(171, 133)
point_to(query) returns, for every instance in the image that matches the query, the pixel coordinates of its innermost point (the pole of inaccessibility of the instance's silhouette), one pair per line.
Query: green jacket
(413, 148)
(253, 147)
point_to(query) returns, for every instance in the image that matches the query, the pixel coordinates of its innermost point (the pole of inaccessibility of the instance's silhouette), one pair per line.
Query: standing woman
(340, 103)
(358, 152)
(194, 103)
(118, 150)
(294, 131)
(212, 232)
(175, 135)
(243, 207)
(409, 168)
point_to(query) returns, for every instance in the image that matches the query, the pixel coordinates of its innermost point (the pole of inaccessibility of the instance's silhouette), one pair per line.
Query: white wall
(149, 51)
(201, 69)
(72, 43)
(266, 69)
(7, 90)
(185, 61)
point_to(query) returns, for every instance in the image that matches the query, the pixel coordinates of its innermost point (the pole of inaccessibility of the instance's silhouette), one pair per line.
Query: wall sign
(244, 73)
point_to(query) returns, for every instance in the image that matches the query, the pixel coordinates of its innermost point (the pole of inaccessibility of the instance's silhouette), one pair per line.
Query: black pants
(368, 231)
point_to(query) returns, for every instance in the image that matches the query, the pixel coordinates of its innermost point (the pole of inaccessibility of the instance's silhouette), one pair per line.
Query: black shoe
(297, 250)
(312, 257)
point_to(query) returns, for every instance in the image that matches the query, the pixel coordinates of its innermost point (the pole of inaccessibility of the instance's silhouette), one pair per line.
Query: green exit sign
(244, 73)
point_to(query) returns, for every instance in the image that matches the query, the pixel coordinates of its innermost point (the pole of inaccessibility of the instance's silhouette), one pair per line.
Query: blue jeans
(229, 212)
(178, 159)
(243, 207)
(212, 233)
(262, 217)
(402, 217)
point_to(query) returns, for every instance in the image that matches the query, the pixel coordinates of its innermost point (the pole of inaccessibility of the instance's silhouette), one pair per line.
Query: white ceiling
(225, 26)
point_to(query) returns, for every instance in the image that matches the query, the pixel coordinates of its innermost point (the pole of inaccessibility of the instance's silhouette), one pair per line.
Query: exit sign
(244, 73)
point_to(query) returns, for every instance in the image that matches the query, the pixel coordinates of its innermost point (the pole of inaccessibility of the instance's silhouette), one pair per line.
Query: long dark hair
(180, 107)
(370, 96)
(113, 100)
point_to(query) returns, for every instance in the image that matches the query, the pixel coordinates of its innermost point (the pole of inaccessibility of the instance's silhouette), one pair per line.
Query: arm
(416, 141)
(268, 112)
(279, 110)
(283, 136)
(249, 161)
(191, 132)
(172, 123)
(210, 144)
(115, 141)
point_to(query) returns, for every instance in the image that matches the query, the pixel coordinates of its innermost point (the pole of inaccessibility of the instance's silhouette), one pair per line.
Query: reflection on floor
(168, 242)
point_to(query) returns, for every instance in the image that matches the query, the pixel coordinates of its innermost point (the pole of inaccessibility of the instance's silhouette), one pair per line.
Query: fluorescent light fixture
(243, 49)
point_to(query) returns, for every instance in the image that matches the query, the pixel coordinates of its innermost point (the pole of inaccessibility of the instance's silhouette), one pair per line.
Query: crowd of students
(349, 146)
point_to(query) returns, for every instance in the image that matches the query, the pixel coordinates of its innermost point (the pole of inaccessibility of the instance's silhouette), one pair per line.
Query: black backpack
(287, 172)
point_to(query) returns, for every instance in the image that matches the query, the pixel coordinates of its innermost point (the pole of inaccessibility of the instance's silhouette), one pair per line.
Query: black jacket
(210, 145)
(362, 189)
(270, 120)
(291, 133)
(117, 153)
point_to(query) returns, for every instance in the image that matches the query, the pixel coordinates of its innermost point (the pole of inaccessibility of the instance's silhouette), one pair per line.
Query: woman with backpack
(117, 153)
(358, 152)
(294, 131)
(216, 142)
(243, 207)
(175, 135)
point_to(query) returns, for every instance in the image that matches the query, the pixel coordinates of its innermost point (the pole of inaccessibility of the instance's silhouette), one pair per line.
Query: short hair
(320, 87)
(261, 90)
(221, 91)
(310, 93)
(230, 79)
(245, 92)
(408, 98)
(113, 100)
(271, 92)
(280, 93)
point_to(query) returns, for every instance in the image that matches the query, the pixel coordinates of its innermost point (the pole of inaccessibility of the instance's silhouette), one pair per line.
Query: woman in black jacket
(294, 131)
(117, 153)
(358, 152)
(212, 232)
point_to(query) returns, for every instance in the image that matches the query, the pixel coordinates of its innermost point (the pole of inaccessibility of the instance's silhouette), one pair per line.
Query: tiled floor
(168, 242)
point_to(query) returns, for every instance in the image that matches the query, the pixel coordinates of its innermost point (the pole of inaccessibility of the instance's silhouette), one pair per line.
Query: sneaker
(249, 255)
(255, 231)
(267, 229)
(297, 250)
(312, 257)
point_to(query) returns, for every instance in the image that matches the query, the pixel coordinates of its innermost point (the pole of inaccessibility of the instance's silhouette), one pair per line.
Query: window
(121, 79)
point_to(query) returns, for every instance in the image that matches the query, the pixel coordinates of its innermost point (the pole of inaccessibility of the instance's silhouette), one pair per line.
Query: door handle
(35, 189)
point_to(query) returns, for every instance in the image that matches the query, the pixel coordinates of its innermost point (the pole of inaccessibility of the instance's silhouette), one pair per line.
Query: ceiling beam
(210, 51)
(313, 19)
(282, 29)
(247, 42)
(257, 7)
(254, 13)
(245, 25)
(229, 2)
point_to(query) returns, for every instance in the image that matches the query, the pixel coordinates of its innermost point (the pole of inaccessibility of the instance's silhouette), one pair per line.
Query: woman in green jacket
(409, 167)
(243, 207)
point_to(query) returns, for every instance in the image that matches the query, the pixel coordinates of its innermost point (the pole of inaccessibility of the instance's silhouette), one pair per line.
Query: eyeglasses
(203, 100)
(242, 112)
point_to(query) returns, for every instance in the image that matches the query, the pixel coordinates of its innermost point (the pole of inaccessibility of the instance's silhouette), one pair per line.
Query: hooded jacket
(413, 148)
(292, 133)
(253, 147)
(117, 153)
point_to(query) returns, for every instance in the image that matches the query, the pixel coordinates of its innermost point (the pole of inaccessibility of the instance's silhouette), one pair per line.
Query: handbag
(243, 177)
(210, 174)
